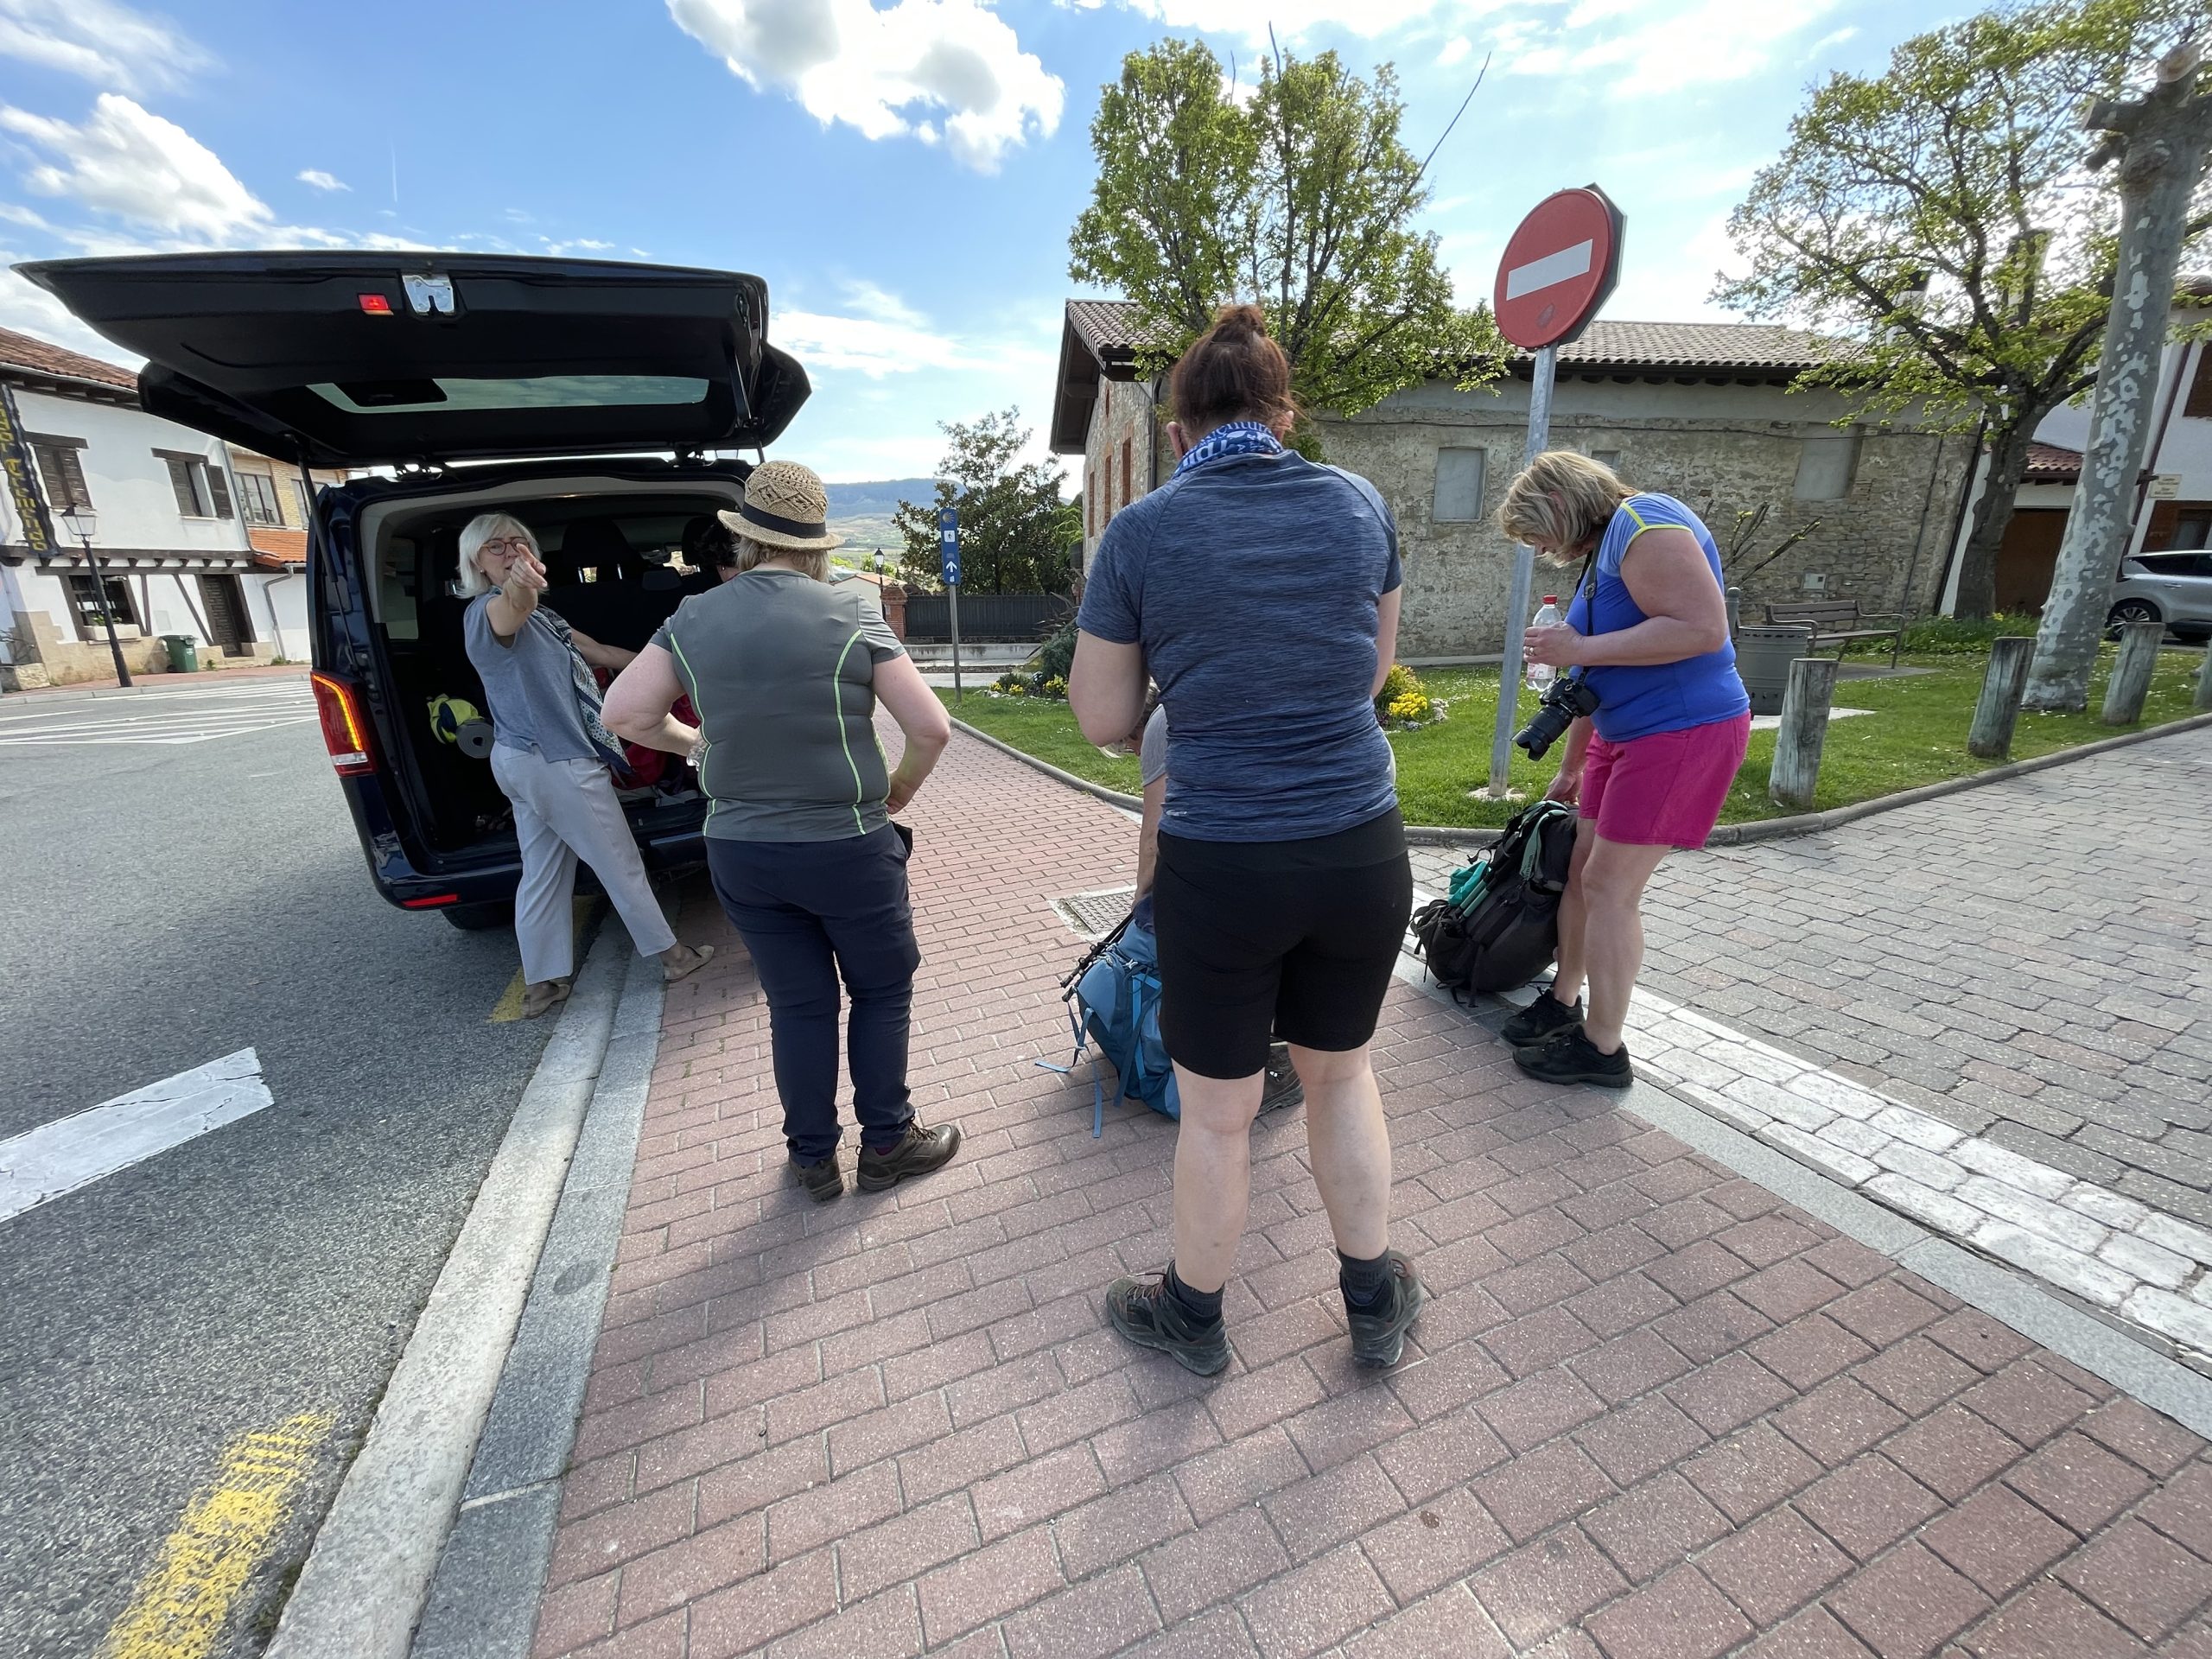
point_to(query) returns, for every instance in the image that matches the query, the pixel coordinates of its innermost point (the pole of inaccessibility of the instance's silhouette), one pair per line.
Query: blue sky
(904, 175)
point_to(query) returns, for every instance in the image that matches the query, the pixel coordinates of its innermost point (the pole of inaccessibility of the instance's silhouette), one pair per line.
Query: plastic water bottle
(1541, 674)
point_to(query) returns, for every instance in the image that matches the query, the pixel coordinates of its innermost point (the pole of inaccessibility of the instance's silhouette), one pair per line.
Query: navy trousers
(812, 913)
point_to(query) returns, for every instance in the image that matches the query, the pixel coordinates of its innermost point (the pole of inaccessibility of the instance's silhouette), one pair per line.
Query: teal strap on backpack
(1097, 1083)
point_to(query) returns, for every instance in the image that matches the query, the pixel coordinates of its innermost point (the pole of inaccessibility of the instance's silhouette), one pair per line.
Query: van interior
(615, 571)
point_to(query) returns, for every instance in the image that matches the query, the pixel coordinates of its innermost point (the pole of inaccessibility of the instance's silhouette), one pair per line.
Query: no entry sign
(1558, 269)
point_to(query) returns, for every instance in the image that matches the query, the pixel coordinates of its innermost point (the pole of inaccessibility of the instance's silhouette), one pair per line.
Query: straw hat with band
(784, 506)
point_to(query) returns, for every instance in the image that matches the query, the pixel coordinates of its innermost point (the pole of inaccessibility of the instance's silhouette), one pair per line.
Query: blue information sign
(948, 545)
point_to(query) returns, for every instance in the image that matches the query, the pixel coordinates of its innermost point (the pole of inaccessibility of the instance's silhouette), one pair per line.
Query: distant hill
(878, 500)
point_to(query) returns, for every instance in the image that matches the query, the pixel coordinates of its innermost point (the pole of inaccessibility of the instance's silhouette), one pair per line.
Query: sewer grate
(1094, 915)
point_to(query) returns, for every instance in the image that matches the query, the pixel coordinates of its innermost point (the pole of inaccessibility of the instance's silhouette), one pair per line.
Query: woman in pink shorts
(1648, 630)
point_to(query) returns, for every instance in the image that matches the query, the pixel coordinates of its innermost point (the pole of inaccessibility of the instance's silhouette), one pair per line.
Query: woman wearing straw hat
(786, 671)
(553, 758)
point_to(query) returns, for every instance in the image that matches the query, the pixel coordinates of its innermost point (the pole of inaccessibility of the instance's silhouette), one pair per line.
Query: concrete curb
(483, 1599)
(1728, 835)
(365, 1577)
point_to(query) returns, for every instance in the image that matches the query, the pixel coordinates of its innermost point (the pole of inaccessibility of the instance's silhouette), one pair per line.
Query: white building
(193, 537)
(2172, 506)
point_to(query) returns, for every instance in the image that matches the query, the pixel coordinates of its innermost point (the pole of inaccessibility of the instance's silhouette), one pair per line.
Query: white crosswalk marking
(163, 717)
(60, 1157)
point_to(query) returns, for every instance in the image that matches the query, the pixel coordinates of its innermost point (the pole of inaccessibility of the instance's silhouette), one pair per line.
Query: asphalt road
(163, 905)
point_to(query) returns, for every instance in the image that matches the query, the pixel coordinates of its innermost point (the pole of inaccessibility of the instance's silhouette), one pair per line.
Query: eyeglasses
(510, 545)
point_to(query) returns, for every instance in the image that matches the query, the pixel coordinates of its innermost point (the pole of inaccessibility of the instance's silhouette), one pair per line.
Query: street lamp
(81, 521)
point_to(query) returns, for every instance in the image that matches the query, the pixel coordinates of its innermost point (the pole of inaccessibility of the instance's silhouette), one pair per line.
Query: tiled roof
(2051, 463)
(1112, 329)
(28, 355)
(277, 550)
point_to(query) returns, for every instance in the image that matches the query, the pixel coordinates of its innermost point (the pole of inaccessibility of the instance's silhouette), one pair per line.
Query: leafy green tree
(1300, 197)
(1016, 535)
(1935, 219)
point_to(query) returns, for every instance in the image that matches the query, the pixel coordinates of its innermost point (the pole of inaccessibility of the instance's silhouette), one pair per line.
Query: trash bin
(1762, 658)
(184, 653)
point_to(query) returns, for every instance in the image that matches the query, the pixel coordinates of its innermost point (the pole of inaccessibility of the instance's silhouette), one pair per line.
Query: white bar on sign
(1552, 267)
(42, 1164)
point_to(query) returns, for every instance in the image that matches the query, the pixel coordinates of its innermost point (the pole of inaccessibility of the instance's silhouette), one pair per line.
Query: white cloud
(322, 181)
(580, 245)
(134, 166)
(1670, 46)
(109, 45)
(929, 69)
(1454, 49)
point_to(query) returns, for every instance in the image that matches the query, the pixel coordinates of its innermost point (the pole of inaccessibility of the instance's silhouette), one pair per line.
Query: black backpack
(1499, 927)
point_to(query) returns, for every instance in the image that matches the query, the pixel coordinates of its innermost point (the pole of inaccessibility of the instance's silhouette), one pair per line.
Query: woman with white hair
(1648, 632)
(554, 758)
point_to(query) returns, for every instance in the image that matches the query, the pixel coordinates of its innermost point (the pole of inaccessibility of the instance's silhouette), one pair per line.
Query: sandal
(546, 994)
(701, 954)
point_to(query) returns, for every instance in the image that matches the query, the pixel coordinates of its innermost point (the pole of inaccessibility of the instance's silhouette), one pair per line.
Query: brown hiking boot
(919, 1152)
(823, 1181)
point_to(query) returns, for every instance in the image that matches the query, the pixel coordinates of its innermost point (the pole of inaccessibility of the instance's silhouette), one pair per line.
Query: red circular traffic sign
(1558, 269)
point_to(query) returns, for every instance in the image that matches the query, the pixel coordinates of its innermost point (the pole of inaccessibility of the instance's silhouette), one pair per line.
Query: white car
(2175, 588)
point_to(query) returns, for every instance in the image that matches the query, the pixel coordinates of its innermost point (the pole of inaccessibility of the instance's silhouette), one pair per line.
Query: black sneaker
(1540, 1019)
(1571, 1057)
(1150, 1316)
(1281, 1087)
(919, 1151)
(823, 1181)
(1378, 1335)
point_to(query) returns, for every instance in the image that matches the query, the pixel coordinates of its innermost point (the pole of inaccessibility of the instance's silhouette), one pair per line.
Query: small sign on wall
(2165, 487)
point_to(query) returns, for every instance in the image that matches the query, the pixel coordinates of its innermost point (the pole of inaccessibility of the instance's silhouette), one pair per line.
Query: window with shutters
(258, 499)
(1459, 484)
(1126, 495)
(1091, 502)
(202, 490)
(2200, 386)
(88, 613)
(60, 471)
(301, 500)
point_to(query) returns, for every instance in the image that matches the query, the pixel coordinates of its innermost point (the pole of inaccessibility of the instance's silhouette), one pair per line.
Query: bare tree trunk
(2161, 141)
(1993, 514)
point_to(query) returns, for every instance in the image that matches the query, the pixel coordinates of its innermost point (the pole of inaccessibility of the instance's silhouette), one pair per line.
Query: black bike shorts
(1296, 938)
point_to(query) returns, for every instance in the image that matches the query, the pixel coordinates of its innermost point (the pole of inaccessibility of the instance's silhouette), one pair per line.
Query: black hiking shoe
(918, 1153)
(1571, 1057)
(823, 1181)
(1149, 1315)
(1536, 1022)
(1378, 1335)
(1281, 1087)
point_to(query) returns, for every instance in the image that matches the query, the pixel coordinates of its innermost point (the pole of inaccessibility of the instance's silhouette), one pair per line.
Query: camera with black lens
(1568, 701)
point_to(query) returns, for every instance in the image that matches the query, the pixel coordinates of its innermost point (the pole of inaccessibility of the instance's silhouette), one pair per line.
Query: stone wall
(1122, 431)
(1880, 543)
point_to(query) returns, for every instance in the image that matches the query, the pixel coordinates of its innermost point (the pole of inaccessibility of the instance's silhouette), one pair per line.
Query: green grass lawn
(1915, 735)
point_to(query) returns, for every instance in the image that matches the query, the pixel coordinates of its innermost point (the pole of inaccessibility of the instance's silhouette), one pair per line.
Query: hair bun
(1236, 319)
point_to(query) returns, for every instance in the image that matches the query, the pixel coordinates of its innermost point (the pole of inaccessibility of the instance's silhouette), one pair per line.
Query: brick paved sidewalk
(1651, 1411)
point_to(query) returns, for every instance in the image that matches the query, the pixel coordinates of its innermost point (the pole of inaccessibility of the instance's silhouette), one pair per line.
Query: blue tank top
(1637, 699)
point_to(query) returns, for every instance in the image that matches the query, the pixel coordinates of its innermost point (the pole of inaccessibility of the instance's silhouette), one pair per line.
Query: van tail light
(345, 731)
(432, 902)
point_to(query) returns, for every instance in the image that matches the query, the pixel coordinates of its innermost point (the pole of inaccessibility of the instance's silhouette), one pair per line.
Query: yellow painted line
(182, 1605)
(508, 1008)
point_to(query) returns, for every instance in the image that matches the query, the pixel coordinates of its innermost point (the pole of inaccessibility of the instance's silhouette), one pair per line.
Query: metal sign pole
(1524, 580)
(948, 553)
(952, 593)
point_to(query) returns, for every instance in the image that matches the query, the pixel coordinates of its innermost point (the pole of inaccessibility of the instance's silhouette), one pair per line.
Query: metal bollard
(1804, 730)
(1998, 711)
(2131, 672)
(1735, 610)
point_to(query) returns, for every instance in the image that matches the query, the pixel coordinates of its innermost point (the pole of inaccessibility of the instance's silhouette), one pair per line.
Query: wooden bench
(1838, 622)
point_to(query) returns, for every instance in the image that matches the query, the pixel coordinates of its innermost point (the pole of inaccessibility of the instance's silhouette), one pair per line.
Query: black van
(585, 397)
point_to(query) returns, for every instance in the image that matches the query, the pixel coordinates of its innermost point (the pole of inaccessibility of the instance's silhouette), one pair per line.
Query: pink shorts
(1666, 789)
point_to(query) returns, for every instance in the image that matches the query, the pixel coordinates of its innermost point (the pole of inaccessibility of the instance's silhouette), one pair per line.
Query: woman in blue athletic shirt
(1261, 592)
(1651, 769)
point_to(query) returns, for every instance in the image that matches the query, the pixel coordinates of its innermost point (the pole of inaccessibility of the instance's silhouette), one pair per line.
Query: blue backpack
(1113, 1001)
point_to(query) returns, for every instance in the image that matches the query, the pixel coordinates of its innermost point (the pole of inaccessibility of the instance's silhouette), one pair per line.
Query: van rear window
(537, 391)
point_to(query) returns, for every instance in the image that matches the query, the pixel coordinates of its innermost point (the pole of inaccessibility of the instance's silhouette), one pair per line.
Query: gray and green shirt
(781, 670)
